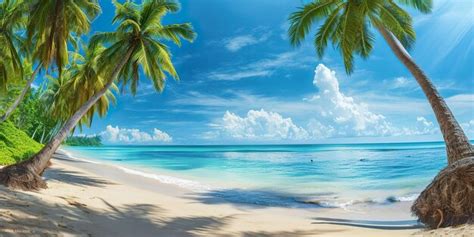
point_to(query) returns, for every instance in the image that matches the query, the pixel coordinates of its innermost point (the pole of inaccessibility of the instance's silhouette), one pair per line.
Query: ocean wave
(374, 201)
(183, 183)
(406, 198)
(74, 157)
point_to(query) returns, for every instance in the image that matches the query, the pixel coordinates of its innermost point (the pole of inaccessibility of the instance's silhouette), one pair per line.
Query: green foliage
(12, 21)
(51, 27)
(15, 145)
(346, 24)
(53, 24)
(80, 82)
(83, 141)
(140, 30)
(33, 117)
(7, 98)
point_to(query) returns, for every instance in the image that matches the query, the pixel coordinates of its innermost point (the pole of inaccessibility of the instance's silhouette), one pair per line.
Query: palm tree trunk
(40, 160)
(21, 96)
(27, 175)
(34, 133)
(457, 143)
(42, 135)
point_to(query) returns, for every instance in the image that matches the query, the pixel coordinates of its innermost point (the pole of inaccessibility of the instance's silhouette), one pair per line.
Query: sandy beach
(89, 199)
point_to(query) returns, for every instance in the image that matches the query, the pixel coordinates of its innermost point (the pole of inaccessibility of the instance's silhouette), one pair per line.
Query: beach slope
(88, 199)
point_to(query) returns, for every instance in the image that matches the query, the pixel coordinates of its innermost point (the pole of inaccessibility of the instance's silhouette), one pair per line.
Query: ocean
(300, 176)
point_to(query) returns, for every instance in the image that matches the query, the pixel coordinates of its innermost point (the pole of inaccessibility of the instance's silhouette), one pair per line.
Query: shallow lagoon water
(285, 175)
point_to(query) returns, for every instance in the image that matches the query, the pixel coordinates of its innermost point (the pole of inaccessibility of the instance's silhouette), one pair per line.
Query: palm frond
(302, 20)
(424, 6)
(326, 30)
(399, 22)
(175, 32)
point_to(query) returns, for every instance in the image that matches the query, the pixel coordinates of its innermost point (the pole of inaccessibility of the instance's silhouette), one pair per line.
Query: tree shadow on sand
(67, 215)
(42, 218)
(74, 178)
(254, 198)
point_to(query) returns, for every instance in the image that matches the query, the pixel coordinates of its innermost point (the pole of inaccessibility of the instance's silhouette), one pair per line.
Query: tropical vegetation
(15, 145)
(83, 141)
(51, 27)
(42, 37)
(85, 86)
(348, 25)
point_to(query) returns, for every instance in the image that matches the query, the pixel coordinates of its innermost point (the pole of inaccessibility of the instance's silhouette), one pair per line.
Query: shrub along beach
(60, 76)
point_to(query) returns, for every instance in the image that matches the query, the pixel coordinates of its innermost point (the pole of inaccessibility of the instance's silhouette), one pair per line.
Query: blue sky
(241, 82)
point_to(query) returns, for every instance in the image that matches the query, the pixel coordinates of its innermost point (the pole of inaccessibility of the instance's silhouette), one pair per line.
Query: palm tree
(12, 21)
(80, 81)
(52, 24)
(347, 25)
(136, 43)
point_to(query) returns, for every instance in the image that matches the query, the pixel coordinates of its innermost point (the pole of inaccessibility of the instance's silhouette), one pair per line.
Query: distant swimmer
(311, 161)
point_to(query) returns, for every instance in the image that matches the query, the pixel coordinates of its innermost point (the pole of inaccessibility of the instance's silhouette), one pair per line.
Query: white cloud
(425, 127)
(424, 121)
(263, 67)
(468, 128)
(344, 112)
(284, 30)
(402, 83)
(125, 135)
(236, 43)
(260, 125)
(331, 113)
(221, 76)
(467, 99)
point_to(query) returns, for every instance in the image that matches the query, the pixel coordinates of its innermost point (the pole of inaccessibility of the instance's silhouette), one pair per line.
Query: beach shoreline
(94, 199)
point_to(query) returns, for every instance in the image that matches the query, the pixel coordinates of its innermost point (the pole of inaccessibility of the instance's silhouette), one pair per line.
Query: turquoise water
(330, 175)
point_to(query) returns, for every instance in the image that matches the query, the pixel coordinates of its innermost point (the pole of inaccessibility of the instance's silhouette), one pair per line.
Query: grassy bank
(15, 145)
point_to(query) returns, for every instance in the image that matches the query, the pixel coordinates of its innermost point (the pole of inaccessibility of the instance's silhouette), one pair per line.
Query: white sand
(86, 199)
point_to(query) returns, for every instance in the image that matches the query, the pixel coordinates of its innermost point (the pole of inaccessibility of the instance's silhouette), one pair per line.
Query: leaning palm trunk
(457, 143)
(449, 199)
(20, 97)
(27, 174)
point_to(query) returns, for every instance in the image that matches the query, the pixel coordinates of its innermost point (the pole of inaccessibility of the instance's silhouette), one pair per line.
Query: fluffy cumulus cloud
(260, 125)
(335, 115)
(342, 114)
(125, 135)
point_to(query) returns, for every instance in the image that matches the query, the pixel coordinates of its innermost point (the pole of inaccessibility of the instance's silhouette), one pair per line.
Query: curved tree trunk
(26, 175)
(457, 143)
(21, 96)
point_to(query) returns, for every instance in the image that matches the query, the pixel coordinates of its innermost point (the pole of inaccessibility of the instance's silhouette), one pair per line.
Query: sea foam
(183, 183)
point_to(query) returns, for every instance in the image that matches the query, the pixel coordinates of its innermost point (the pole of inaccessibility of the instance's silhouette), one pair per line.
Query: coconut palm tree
(137, 43)
(12, 21)
(347, 25)
(80, 81)
(52, 24)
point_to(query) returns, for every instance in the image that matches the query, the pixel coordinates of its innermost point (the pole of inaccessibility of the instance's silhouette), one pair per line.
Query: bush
(15, 145)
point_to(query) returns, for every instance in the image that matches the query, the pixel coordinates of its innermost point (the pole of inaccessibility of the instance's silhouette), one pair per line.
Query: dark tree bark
(457, 143)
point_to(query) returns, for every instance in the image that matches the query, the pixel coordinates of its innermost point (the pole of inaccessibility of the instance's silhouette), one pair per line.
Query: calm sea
(285, 175)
